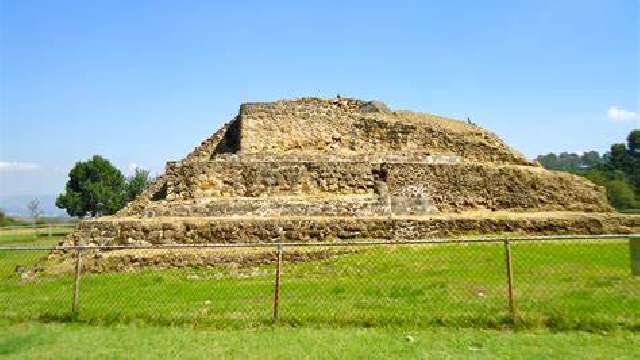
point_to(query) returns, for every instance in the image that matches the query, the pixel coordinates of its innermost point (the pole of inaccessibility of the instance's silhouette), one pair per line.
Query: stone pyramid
(314, 169)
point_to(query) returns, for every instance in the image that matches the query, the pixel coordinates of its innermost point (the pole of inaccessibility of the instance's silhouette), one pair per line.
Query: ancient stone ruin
(323, 170)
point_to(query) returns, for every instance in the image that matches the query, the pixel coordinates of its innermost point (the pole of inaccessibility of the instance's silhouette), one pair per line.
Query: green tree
(621, 194)
(633, 141)
(137, 183)
(598, 177)
(549, 161)
(618, 170)
(591, 159)
(569, 161)
(7, 220)
(95, 187)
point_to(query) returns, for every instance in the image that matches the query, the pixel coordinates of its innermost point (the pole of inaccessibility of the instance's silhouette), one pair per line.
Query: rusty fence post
(509, 264)
(634, 254)
(276, 292)
(76, 285)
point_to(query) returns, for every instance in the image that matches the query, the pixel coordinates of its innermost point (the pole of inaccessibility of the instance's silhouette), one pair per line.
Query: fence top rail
(372, 242)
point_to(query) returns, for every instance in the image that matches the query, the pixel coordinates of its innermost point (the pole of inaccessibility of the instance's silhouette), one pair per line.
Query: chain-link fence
(582, 282)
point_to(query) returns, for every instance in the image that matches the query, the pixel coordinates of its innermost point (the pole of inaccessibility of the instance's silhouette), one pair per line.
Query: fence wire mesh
(396, 284)
(572, 282)
(212, 286)
(576, 284)
(24, 296)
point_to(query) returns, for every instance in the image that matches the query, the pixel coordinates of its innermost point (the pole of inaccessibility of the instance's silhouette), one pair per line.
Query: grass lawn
(72, 341)
(558, 285)
(30, 237)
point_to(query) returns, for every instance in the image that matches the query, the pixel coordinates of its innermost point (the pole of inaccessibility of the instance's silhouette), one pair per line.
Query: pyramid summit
(313, 169)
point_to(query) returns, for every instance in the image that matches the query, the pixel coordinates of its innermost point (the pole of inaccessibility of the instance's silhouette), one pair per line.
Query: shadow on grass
(553, 322)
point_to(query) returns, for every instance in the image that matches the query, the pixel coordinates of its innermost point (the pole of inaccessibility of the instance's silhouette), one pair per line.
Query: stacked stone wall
(336, 126)
(389, 157)
(256, 179)
(367, 205)
(200, 188)
(109, 231)
(134, 259)
(480, 186)
(225, 140)
(222, 141)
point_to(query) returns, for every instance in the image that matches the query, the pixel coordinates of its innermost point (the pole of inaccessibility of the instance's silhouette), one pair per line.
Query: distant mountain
(16, 205)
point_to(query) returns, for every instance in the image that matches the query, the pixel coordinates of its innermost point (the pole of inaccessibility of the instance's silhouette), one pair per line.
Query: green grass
(30, 237)
(73, 341)
(558, 285)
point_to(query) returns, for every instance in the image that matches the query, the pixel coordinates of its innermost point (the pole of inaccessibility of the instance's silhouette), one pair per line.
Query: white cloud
(131, 168)
(619, 114)
(10, 166)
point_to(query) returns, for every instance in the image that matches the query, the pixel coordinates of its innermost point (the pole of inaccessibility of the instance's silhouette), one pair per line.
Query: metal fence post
(76, 285)
(509, 264)
(276, 292)
(634, 254)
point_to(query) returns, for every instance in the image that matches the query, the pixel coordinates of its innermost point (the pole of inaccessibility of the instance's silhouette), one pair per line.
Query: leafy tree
(618, 155)
(137, 183)
(549, 161)
(7, 220)
(591, 159)
(598, 177)
(618, 170)
(633, 141)
(95, 187)
(627, 159)
(570, 161)
(621, 194)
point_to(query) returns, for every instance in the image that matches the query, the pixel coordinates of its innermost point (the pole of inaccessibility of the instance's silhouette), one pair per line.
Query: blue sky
(143, 82)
